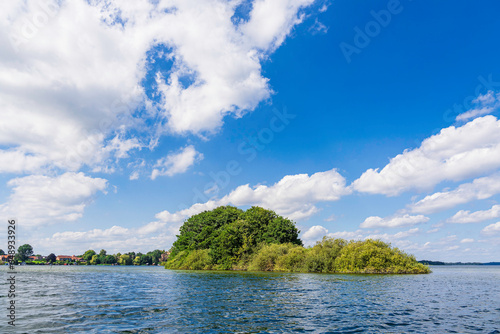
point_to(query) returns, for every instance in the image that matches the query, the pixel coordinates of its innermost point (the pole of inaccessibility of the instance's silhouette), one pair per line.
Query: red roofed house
(67, 258)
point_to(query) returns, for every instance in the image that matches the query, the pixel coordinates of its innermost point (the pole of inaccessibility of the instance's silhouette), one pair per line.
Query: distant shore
(440, 263)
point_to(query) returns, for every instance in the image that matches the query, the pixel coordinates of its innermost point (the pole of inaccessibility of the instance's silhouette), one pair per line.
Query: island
(228, 238)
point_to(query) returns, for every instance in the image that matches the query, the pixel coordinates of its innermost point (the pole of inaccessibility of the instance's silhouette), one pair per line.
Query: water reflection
(153, 300)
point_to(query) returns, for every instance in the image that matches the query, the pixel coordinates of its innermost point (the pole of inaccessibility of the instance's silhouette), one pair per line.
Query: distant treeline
(228, 238)
(25, 254)
(439, 263)
(130, 258)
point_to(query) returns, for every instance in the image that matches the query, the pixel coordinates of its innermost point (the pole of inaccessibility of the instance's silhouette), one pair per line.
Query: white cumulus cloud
(478, 189)
(294, 196)
(38, 199)
(72, 74)
(395, 221)
(176, 163)
(154, 235)
(453, 154)
(465, 216)
(492, 229)
(315, 233)
(483, 104)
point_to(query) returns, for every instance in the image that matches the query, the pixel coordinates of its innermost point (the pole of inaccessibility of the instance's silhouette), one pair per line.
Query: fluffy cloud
(462, 216)
(294, 196)
(466, 241)
(177, 163)
(395, 221)
(491, 229)
(483, 104)
(271, 21)
(390, 237)
(56, 113)
(450, 155)
(225, 72)
(316, 233)
(72, 74)
(40, 199)
(478, 189)
(154, 235)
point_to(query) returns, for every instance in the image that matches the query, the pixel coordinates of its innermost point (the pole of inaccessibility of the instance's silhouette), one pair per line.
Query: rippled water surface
(89, 299)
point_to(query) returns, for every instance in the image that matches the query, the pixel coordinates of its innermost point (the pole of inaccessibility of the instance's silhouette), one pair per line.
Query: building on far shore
(36, 257)
(68, 258)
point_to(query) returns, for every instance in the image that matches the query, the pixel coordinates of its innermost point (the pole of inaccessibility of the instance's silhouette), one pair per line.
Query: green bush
(294, 260)
(266, 258)
(198, 259)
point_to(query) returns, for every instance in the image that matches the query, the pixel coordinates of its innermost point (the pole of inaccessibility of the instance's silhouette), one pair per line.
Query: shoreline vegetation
(440, 263)
(228, 238)
(25, 256)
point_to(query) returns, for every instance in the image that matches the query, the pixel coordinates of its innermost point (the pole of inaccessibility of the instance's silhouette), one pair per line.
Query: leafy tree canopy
(95, 259)
(87, 256)
(24, 252)
(51, 258)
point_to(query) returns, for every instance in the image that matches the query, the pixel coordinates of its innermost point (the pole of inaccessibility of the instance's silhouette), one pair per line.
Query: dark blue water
(89, 299)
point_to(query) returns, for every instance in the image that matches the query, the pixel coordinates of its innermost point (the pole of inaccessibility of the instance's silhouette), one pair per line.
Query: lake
(99, 299)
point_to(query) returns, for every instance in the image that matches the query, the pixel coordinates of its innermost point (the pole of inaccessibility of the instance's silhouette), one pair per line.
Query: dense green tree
(125, 260)
(2, 252)
(95, 259)
(24, 252)
(199, 231)
(155, 255)
(229, 244)
(145, 259)
(87, 256)
(102, 256)
(51, 258)
(280, 230)
(231, 234)
(109, 259)
(258, 220)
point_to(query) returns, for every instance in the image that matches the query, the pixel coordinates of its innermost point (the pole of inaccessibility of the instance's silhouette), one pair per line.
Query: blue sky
(370, 119)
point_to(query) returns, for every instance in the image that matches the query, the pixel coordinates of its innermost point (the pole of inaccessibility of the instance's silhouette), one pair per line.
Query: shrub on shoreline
(327, 256)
